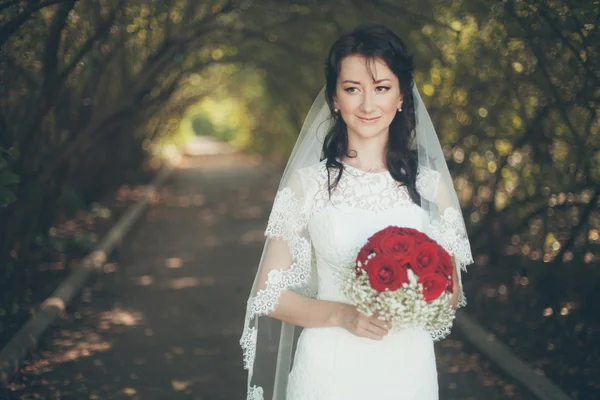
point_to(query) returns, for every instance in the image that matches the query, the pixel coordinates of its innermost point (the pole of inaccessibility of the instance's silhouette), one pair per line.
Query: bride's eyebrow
(358, 83)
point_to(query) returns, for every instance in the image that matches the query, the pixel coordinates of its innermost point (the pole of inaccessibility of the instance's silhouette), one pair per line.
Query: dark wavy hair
(374, 42)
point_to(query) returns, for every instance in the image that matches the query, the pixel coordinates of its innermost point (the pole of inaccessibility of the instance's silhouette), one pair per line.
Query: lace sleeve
(286, 264)
(450, 232)
(427, 182)
(286, 260)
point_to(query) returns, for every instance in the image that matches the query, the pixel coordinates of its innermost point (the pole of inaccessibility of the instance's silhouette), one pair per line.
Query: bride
(367, 157)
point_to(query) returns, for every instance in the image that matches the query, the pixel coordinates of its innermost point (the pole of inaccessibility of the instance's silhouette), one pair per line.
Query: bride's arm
(307, 312)
(300, 310)
(455, 286)
(304, 311)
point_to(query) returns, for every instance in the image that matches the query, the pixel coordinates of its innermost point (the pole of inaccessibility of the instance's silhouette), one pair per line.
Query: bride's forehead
(363, 69)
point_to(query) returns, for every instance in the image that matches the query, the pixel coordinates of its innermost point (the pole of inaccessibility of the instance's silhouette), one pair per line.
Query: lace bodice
(360, 205)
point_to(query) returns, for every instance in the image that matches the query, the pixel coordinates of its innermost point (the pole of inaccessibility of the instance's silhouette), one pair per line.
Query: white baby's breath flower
(404, 307)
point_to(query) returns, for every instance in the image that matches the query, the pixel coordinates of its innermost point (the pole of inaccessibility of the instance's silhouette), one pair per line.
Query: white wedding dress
(331, 363)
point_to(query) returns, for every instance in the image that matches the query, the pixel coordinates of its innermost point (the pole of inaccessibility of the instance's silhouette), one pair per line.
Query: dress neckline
(360, 172)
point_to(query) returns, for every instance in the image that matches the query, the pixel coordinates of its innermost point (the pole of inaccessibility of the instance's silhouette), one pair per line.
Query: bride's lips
(368, 120)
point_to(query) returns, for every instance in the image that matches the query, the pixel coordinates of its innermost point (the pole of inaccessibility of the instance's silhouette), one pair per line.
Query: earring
(400, 109)
(335, 110)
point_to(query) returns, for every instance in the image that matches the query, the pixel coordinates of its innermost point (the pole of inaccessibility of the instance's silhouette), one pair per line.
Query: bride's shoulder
(313, 176)
(314, 170)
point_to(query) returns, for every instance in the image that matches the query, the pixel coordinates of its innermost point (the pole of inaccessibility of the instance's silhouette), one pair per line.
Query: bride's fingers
(380, 323)
(375, 327)
(365, 325)
(370, 335)
(377, 330)
(365, 321)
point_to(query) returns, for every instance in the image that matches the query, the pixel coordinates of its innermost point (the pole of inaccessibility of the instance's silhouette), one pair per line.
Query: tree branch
(582, 223)
(542, 62)
(389, 8)
(102, 31)
(128, 106)
(9, 4)
(588, 73)
(51, 47)
(13, 25)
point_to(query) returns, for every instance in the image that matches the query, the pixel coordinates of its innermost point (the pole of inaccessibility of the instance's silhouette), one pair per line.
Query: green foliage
(9, 180)
(74, 235)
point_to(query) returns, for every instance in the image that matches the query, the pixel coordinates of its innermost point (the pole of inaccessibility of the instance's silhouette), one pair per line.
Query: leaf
(6, 197)
(9, 178)
(14, 152)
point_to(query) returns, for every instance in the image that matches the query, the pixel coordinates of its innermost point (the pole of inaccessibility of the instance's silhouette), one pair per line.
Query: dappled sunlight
(119, 316)
(467, 362)
(203, 145)
(207, 216)
(191, 282)
(174, 262)
(254, 236)
(52, 266)
(454, 362)
(144, 280)
(67, 347)
(132, 193)
(167, 197)
(110, 268)
(129, 391)
(180, 385)
(248, 211)
(54, 302)
(163, 196)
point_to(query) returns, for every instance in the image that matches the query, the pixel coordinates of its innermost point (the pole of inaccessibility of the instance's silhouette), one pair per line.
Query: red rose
(433, 286)
(378, 236)
(372, 245)
(426, 259)
(419, 237)
(445, 265)
(397, 246)
(364, 253)
(385, 273)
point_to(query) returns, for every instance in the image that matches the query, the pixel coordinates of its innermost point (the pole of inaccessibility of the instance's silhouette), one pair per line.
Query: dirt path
(163, 321)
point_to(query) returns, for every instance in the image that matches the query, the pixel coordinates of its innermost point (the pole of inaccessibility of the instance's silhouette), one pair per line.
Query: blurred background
(95, 95)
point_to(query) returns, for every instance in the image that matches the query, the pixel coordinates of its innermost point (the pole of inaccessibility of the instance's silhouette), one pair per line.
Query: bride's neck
(370, 153)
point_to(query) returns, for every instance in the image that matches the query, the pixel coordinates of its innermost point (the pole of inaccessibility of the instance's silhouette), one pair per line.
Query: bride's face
(367, 96)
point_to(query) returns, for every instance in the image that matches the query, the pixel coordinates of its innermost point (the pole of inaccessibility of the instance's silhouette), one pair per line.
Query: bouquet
(404, 277)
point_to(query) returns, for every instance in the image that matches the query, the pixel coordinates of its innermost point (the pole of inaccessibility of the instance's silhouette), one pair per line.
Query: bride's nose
(367, 104)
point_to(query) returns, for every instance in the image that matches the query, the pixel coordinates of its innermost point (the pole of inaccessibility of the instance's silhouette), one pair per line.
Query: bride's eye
(351, 89)
(382, 88)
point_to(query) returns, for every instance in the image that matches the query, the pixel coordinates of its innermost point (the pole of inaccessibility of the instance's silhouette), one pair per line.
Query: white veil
(287, 261)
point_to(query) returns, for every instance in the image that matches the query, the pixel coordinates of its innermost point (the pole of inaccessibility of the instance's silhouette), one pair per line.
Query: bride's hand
(362, 325)
(453, 302)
